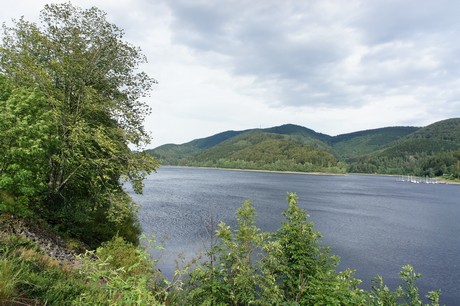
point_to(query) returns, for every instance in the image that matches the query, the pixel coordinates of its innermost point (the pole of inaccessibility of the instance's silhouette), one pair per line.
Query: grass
(9, 279)
(118, 273)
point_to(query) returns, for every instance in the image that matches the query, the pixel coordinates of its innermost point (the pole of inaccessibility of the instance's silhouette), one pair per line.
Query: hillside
(259, 149)
(431, 150)
(302, 134)
(173, 154)
(360, 143)
(438, 137)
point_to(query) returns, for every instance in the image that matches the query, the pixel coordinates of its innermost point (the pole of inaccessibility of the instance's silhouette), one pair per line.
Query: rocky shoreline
(50, 243)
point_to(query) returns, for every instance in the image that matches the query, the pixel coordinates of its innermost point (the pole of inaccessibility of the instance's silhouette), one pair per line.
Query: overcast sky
(332, 66)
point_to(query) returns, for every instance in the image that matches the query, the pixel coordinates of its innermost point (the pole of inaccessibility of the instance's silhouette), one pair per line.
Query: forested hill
(286, 147)
(438, 137)
(361, 143)
(430, 150)
(225, 144)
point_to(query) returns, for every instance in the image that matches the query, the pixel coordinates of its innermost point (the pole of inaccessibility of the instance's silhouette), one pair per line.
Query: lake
(376, 224)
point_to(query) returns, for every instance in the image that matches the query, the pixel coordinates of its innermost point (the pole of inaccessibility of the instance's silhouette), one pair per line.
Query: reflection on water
(375, 224)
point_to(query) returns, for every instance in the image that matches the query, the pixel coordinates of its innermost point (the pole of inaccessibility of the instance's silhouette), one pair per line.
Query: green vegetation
(262, 150)
(285, 148)
(178, 154)
(69, 105)
(243, 266)
(30, 277)
(429, 151)
(289, 267)
(362, 143)
(26, 138)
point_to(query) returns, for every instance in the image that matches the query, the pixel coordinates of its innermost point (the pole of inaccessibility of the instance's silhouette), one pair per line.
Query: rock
(51, 243)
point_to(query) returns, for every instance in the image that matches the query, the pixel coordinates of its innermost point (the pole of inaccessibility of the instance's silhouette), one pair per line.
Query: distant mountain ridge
(297, 148)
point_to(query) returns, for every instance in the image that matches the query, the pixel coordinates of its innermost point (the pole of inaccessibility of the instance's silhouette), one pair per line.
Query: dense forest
(431, 151)
(70, 112)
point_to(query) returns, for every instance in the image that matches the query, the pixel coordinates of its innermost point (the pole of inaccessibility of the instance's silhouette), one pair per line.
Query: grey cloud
(276, 43)
(384, 21)
(298, 50)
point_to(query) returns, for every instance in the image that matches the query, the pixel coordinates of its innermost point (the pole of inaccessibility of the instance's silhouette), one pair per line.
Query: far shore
(261, 170)
(440, 179)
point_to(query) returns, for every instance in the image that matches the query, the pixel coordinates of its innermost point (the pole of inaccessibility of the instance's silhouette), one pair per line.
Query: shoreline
(440, 179)
(262, 171)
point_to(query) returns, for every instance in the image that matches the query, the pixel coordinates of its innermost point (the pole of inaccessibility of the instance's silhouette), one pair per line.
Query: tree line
(440, 164)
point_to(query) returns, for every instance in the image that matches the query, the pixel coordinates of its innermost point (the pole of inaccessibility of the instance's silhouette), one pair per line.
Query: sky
(333, 66)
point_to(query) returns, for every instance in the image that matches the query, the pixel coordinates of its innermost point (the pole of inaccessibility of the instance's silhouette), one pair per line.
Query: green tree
(26, 135)
(303, 268)
(90, 81)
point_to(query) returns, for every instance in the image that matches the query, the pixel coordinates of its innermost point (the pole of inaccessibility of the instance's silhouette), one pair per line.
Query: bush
(288, 267)
(122, 255)
(120, 274)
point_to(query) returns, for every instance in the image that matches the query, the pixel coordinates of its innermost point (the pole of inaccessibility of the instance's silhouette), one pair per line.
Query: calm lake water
(374, 223)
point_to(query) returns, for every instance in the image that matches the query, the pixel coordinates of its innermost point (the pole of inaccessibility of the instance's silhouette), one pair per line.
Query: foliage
(288, 267)
(304, 268)
(360, 143)
(267, 151)
(121, 274)
(35, 277)
(9, 279)
(70, 110)
(230, 277)
(430, 151)
(407, 294)
(178, 154)
(76, 101)
(118, 253)
(25, 139)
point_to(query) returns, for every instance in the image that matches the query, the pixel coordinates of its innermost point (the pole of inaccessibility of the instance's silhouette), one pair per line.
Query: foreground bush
(288, 267)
